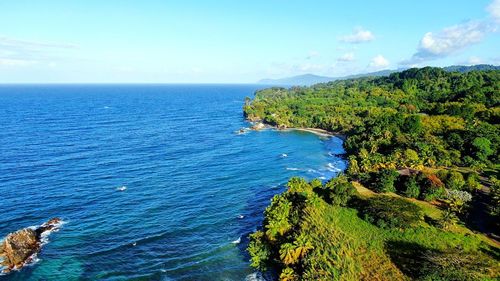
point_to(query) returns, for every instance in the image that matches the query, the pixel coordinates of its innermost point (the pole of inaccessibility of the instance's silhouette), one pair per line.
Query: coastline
(318, 132)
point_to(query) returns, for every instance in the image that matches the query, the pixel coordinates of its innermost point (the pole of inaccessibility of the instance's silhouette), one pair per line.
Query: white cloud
(436, 45)
(494, 9)
(359, 35)
(474, 60)
(15, 62)
(278, 69)
(379, 62)
(308, 67)
(346, 57)
(312, 54)
(449, 40)
(11, 42)
(15, 52)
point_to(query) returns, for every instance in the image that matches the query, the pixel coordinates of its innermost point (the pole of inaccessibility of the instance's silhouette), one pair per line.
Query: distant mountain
(465, 68)
(302, 80)
(386, 72)
(311, 79)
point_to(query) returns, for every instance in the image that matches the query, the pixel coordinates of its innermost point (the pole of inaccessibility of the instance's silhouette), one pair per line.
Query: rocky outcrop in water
(18, 248)
(258, 126)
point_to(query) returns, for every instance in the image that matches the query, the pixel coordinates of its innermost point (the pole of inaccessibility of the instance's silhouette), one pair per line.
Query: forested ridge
(420, 195)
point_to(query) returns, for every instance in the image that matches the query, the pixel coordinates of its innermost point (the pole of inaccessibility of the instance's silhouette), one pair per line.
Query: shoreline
(316, 131)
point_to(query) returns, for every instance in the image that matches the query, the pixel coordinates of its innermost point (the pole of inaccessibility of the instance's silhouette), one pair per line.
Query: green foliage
(339, 190)
(391, 212)
(288, 274)
(482, 148)
(457, 200)
(385, 180)
(455, 181)
(454, 264)
(411, 187)
(472, 183)
(431, 187)
(413, 125)
(330, 242)
(422, 263)
(447, 219)
(417, 118)
(495, 198)
(259, 251)
(277, 221)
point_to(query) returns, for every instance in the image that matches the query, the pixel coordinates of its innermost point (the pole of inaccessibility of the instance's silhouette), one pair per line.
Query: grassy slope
(357, 250)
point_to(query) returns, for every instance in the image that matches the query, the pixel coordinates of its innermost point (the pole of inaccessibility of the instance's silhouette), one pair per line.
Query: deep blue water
(64, 151)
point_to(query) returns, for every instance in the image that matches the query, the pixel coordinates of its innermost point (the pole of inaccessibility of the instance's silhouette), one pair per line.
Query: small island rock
(18, 247)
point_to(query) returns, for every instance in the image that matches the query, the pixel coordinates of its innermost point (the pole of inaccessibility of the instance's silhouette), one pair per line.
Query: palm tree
(288, 275)
(289, 254)
(302, 246)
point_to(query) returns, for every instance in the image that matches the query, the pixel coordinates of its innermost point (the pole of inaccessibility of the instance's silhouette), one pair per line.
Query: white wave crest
(332, 168)
(256, 276)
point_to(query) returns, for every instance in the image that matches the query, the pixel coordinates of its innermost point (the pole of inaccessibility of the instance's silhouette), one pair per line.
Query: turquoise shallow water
(194, 188)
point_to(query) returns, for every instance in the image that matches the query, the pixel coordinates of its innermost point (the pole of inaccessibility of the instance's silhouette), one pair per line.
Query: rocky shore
(18, 248)
(258, 125)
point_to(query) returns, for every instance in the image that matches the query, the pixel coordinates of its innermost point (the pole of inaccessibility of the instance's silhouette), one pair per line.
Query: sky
(227, 41)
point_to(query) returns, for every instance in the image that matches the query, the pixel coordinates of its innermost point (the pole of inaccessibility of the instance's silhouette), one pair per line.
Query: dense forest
(420, 198)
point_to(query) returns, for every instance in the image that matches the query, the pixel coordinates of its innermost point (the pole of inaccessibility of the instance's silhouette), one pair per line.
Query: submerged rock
(18, 248)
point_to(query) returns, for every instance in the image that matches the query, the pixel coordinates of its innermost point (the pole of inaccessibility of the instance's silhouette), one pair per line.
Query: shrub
(447, 219)
(391, 212)
(411, 187)
(259, 250)
(277, 221)
(482, 148)
(457, 200)
(472, 182)
(339, 190)
(455, 180)
(442, 174)
(455, 264)
(495, 198)
(385, 180)
(431, 187)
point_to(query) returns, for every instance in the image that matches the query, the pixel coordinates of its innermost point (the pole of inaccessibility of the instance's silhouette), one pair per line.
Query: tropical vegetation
(422, 147)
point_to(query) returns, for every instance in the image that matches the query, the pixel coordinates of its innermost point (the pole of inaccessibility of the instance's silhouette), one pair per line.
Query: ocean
(152, 181)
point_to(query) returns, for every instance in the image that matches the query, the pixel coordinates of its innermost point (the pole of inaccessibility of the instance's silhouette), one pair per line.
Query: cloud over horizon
(379, 62)
(347, 57)
(359, 35)
(453, 39)
(15, 52)
(435, 45)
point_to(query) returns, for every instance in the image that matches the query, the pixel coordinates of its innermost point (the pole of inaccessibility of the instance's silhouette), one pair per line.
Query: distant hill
(302, 80)
(310, 79)
(464, 68)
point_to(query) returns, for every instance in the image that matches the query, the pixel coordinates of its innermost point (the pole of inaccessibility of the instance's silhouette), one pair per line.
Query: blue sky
(224, 41)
